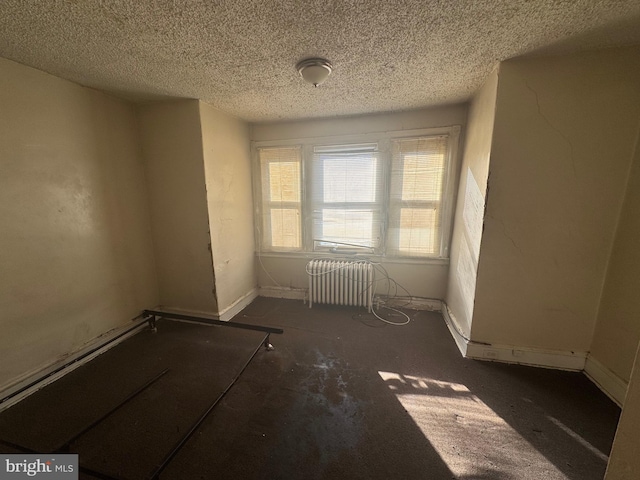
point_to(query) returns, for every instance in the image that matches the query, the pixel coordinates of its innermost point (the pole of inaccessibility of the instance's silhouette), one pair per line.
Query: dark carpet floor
(342, 396)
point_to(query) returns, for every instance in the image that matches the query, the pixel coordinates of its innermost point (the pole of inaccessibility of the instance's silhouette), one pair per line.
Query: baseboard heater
(341, 282)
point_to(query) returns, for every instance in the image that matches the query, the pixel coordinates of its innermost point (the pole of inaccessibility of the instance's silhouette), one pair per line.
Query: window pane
(346, 194)
(418, 232)
(285, 228)
(281, 177)
(348, 226)
(284, 181)
(422, 177)
(349, 179)
(417, 182)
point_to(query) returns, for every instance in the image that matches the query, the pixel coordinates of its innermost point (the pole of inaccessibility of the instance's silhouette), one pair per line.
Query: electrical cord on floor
(369, 321)
(373, 320)
(390, 281)
(388, 322)
(386, 277)
(371, 286)
(453, 325)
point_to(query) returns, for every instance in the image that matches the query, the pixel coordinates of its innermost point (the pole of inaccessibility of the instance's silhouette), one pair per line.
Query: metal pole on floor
(211, 321)
(160, 468)
(66, 365)
(66, 445)
(82, 468)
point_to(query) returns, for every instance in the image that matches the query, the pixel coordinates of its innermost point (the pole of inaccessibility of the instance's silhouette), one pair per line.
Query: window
(417, 179)
(280, 171)
(388, 196)
(346, 197)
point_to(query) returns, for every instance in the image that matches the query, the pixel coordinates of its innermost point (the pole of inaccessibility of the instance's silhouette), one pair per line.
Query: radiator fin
(340, 282)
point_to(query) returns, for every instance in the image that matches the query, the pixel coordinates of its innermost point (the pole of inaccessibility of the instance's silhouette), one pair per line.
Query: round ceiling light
(314, 70)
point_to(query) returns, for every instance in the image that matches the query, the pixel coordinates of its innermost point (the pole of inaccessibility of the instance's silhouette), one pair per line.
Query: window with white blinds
(417, 180)
(281, 178)
(385, 197)
(346, 197)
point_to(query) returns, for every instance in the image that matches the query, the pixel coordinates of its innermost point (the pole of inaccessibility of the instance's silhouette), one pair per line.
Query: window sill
(373, 258)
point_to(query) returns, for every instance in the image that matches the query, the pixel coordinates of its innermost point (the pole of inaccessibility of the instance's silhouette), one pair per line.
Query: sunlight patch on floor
(469, 436)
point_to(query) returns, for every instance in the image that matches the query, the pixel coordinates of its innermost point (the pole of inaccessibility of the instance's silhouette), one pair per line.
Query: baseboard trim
(417, 303)
(240, 304)
(413, 303)
(611, 384)
(535, 357)
(454, 329)
(283, 292)
(77, 359)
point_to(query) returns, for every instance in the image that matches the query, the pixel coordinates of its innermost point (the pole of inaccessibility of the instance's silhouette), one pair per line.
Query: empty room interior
(321, 239)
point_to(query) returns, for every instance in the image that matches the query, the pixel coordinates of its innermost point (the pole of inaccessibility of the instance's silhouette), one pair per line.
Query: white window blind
(415, 205)
(389, 197)
(346, 196)
(281, 175)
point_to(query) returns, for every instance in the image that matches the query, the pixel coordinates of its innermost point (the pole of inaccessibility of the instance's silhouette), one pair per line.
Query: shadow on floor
(341, 396)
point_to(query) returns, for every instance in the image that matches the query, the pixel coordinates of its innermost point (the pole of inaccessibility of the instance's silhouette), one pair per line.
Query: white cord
(399, 324)
(371, 285)
(260, 257)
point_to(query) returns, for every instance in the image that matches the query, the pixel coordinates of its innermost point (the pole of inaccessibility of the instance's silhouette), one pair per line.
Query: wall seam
(214, 291)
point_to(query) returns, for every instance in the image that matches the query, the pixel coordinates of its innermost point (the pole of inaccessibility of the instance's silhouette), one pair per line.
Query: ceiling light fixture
(314, 70)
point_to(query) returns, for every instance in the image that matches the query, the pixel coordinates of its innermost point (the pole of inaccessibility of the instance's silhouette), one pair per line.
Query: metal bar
(15, 446)
(62, 367)
(96, 474)
(65, 446)
(193, 318)
(160, 468)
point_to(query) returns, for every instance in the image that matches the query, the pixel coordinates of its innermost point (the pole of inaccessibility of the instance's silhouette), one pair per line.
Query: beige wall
(618, 329)
(464, 245)
(171, 140)
(75, 244)
(564, 137)
(227, 165)
(422, 280)
(429, 118)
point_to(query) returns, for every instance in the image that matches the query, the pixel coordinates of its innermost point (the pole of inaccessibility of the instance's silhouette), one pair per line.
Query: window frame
(396, 205)
(269, 205)
(375, 206)
(384, 141)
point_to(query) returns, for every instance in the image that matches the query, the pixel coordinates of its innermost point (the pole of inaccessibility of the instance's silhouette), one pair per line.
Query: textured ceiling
(240, 55)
